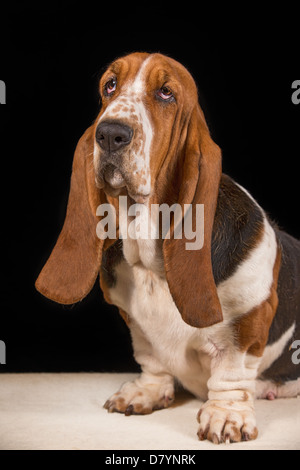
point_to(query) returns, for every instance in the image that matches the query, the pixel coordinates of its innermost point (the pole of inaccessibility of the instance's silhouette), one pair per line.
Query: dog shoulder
(238, 228)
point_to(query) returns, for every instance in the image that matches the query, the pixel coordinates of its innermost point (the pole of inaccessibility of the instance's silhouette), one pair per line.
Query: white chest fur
(145, 296)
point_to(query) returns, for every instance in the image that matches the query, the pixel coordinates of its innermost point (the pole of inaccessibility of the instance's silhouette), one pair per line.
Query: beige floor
(64, 411)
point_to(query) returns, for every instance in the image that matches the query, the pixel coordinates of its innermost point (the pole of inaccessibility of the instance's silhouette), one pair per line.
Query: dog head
(150, 141)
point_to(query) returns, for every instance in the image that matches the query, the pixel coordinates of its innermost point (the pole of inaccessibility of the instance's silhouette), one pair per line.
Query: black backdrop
(51, 60)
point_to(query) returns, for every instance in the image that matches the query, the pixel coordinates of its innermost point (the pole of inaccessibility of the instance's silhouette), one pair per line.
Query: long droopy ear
(189, 272)
(74, 263)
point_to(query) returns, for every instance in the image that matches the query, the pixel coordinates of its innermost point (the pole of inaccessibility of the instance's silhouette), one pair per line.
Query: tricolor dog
(219, 319)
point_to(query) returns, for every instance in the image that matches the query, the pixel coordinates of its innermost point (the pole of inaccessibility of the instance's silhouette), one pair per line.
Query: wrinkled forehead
(151, 69)
(126, 68)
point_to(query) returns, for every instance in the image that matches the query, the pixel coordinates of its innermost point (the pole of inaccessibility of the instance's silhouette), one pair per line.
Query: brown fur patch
(251, 330)
(125, 316)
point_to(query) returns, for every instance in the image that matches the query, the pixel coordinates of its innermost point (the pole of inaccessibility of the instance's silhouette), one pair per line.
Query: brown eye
(165, 93)
(110, 86)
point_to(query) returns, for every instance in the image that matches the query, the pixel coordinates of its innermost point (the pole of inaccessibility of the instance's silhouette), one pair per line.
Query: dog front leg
(228, 415)
(152, 390)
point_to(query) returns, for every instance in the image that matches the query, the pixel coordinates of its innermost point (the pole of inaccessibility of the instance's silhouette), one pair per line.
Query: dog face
(145, 100)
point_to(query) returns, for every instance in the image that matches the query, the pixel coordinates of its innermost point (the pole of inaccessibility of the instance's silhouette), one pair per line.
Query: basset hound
(219, 319)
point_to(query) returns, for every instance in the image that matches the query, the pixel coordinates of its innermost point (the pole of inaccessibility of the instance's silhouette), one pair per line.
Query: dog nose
(112, 136)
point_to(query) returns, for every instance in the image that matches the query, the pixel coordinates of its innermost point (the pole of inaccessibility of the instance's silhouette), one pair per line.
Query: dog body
(218, 319)
(185, 352)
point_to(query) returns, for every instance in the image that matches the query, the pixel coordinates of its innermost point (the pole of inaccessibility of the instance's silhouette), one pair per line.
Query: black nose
(112, 136)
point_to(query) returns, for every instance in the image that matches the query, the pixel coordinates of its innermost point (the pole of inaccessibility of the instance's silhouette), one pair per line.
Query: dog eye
(110, 86)
(165, 93)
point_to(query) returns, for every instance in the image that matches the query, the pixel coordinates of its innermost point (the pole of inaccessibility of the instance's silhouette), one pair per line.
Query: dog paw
(136, 399)
(222, 421)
